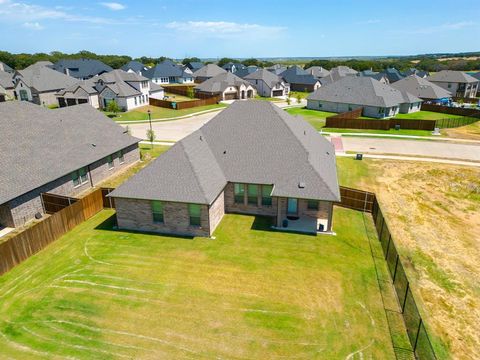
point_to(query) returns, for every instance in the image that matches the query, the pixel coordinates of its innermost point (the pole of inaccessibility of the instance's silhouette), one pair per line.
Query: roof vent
(301, 185)
(201, 138)
(304, 132)
(224, 152)
(94, 145)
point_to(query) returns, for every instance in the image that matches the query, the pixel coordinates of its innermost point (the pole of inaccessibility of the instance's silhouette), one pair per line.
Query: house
(352, 92)
(337, 73)
(227, 86)
(420, 73)
(64, 151)
(81, 69)
(318, 71)
(168, 72)
(277, 69)
(476, 76)
(393, 75)
(82, 92)
(375, 75)
(242, 73)
(134, 66)
(459, 83)
(3, 94)
(268, 84)
(38, 83)
(252, 158)
(207, 72)
(6, 82)
(300, 80)
(5, 68)
(195, 65)
(423, 89)
(233, 67)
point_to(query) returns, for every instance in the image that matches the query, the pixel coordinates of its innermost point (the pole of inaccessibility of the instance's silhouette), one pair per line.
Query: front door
(292, 206)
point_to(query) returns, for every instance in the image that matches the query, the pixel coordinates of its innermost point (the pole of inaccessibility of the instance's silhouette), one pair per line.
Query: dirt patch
(471, 132)
(433, 213)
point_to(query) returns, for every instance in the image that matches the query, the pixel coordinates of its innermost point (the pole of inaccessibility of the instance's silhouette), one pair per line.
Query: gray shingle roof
(242, 73)
(452, 76)
(81, 68)
(476, 76)
(87, 85)
(249, 142)
(359, 90)
(166, 68)
(133, 65)
(5, 67)
(219, 83)
(209, 71)
(296, 75)
(119, 82)
(40, 145)
(268, 77)
(318, 71)
(6, 80)
(42, 78)
(421, 88)
(195, 65)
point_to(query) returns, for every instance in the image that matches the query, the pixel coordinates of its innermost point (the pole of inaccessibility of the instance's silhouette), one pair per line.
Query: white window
(110, 162)
(79, 177)
(121, 158)
(135, 100)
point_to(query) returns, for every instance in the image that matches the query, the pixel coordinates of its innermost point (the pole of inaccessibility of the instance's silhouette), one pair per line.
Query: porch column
(330, 218)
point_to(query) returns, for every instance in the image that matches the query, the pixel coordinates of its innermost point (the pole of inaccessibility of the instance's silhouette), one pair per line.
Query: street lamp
(151, 130)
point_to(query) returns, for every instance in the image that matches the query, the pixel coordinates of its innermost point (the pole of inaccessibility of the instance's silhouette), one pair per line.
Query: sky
(214, 29)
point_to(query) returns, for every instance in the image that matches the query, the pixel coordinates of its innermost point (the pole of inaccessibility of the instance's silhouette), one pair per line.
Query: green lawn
(251, 293)
(427, 115)
(140, 114)
(381, 132)
(274, 99)
(295, 94)
(177, 98)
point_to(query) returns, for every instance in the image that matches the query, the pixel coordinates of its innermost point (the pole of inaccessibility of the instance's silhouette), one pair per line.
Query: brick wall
(135, 214)
(24, 207)
(324, 210)
(6, 216)
(216, 212)
(245, 208)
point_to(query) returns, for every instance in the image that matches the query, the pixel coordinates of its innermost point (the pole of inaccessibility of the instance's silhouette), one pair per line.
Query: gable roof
(119, 82)
(246, 71)
(2, 90)
(228, 66)
(6, 80)
(81, 68)
(268, 77)
(421, 88)
(4, 67)
(338, 73)
(476, 75)
(413, 71)
(360, 90)
(195, 65)
(208, 71)
(452, 76)
(277, 69)
(373, 74)
(249, 142)
(42, 78)
(393, 75)
(219, 83)
(134, 65)
(296, 75)
(166, 68)
(318, 71)
(82, 136)
(86, 85)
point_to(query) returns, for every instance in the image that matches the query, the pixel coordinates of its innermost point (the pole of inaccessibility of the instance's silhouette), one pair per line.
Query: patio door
(292, 206)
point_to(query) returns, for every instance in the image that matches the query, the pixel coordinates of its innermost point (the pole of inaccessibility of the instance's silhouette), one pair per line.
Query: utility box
(359, 157)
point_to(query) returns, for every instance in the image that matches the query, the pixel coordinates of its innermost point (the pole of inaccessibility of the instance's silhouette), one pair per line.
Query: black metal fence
(416, 331)
(455, 122)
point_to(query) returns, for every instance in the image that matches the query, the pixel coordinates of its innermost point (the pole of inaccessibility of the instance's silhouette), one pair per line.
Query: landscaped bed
(250, 293)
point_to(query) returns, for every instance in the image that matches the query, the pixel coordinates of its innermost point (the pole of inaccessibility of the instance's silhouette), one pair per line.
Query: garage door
(277, 92)
(231, 96)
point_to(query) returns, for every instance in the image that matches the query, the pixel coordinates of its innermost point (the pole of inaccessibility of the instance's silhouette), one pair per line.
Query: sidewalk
(411, 137)
(133, 122)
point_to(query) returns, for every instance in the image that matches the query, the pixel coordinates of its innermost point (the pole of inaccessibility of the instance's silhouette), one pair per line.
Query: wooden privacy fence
(184, 104)
(452, 110)
(379, 124)
(53, 203)
(353, 114)
(417, 333)
(32, 240)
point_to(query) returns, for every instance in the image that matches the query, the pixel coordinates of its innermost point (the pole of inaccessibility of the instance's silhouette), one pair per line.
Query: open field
(427, 115)
(98, 293)
(160, 113)
(433, 212)
(471, 132)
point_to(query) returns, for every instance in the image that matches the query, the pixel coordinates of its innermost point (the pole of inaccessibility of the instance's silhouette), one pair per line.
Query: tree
(252, 62)
(189, 60)
(190, 92)
(289, 101)
(151, 136)
(113, 107)
(224, 61)
(299, 98)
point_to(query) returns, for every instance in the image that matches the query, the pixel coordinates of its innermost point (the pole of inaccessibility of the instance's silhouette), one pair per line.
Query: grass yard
(427, 115)
(274, 99)
(433, 212)
(140, 114)
(177, 98)
(471, 132)
(382, 132)
(251, 293)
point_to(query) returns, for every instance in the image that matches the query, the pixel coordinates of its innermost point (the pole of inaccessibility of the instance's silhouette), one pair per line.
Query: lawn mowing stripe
(105, 285)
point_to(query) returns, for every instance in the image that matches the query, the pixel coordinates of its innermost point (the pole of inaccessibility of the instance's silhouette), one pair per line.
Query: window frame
(251, 198)
(195, 220)
(267, 199)
(237, 195)
(78, 178)
(110, 160)
(158, 216)
(313, 204)
(121, 157)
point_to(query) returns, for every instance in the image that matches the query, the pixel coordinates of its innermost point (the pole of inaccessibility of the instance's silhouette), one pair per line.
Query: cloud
(224, 29)
(113, 6)
(33, 26)
(369, 22)
(439, 28)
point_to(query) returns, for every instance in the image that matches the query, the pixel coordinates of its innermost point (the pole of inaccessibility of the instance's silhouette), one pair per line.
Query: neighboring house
(268, 84)
(207, 72)
(82, 92)
(393, 75)
(168, 72)
(352, 92)
(423, 89)
(277, 69)
(252, 158)
(6, 81)
(318, 71)
(134, 66)
(476, 76)
(39, 84)
(459, 83)
(195, 65)
(420, 73)
(227, 86)
(338, 73)
(3, 94)
(375, 75)
(81, 69)
(4, 67)
(64, 151)
(300, 80)
(233, 67)
(242, 73)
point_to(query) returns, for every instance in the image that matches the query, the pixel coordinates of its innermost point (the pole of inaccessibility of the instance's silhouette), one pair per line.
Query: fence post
(395, 271)
(406, 294)
(381, 230)
(388, 246)
(418, 333)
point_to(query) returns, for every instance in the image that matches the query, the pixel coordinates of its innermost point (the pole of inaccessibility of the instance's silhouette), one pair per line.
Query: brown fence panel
(451, 110)
(413, 124)
(53, 203)
(108, 202)
(356, 199)
(184, 104)
(350, 123)
(32, 240)
(353, 114)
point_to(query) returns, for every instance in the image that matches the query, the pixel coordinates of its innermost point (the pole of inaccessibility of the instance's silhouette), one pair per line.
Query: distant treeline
(423, 62)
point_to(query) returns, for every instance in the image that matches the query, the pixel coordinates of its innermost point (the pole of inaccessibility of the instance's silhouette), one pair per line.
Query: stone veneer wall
(136, 214)
(216, 212)
(23, 208)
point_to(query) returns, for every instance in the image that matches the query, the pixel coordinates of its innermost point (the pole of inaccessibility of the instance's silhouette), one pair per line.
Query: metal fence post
(395, 271)
(388, 246)
(418, 333)
(381, 229)
(405, 299)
